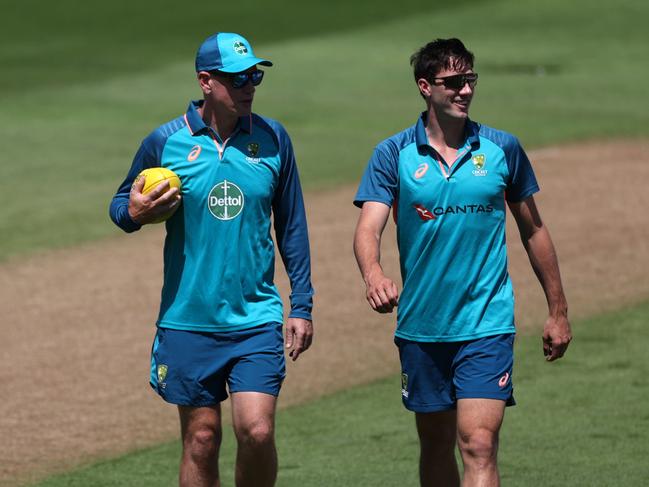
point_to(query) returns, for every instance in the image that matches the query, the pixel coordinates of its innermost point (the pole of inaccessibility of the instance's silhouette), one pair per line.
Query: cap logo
(240, 48)
(225, 201)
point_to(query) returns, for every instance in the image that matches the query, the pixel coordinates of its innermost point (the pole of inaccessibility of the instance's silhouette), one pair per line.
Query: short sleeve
(380, 180)
(522, 181)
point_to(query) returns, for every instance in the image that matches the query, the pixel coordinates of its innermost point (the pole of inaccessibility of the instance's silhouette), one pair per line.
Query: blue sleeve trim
(364, 198)
(522, 181)
(291, 229)
(380, 182)
(148, 155)
(523, 195)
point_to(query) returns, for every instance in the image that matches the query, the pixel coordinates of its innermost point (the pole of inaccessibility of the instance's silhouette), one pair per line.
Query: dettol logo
(225, 200)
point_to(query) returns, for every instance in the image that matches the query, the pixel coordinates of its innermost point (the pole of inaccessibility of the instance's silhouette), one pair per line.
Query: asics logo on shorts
(503, 380)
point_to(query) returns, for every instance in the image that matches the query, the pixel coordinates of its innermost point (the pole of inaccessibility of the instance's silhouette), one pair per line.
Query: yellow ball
(152, 178)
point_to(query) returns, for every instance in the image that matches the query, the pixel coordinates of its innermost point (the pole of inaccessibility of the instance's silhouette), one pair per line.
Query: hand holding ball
(156, 175)
(149, 203)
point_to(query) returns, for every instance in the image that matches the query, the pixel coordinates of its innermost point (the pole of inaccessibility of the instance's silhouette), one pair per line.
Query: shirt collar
(420, 131)
(197, 126)
(471, 132)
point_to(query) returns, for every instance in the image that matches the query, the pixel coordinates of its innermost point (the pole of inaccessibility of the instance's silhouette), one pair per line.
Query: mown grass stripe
(338, 93)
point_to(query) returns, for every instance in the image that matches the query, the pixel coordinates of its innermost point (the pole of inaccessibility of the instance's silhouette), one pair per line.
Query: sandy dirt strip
(76, 325)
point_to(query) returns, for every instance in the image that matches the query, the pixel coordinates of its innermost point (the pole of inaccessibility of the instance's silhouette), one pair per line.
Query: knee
(203, 444)
(256, 434)
(479, 446)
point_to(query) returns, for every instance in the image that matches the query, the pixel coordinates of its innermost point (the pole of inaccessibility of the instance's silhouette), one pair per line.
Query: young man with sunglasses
(220, 322)
(447, 179)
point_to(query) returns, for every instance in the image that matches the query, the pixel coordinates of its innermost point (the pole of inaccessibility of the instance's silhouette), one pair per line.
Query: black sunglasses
(457, 81)
(239, 80)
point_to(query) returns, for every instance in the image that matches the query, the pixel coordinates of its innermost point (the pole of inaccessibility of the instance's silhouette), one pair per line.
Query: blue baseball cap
(227, 52)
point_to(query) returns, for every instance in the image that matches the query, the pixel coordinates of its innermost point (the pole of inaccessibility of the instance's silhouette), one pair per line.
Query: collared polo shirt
(219, 256)
(451, 229)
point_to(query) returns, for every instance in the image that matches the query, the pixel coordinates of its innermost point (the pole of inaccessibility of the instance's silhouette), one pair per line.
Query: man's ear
(424, 87)
(204, 79)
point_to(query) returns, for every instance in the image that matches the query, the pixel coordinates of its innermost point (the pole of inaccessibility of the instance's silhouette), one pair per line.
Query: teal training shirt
(451, 229)
(219, 256)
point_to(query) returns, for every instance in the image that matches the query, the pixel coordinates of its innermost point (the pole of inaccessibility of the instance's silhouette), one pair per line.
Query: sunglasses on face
(457, 81)
(239, 80)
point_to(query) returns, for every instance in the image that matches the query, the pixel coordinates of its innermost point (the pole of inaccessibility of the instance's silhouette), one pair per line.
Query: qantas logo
(424, 213)
(462, 209)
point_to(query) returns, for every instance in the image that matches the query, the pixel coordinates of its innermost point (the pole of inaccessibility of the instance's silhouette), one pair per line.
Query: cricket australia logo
(162, 372)
(404, 385)
(253, 150)
(225, 201)
(479, 162)
(240, 48)
(162, 375)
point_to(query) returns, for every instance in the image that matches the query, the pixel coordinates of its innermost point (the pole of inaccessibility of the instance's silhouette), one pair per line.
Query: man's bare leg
(201, 438)
(253, 418)
(437, 465)
(479, 422)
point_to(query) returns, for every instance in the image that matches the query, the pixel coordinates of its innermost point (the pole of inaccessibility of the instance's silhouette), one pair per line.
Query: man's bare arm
(540, 249)
(381, 293)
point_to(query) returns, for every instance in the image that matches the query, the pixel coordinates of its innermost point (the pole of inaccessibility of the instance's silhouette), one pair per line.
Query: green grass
(76, 42)
(582, 421)
(83, 83)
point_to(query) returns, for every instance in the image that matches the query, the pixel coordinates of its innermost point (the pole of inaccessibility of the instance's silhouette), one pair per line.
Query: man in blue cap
(219, 327)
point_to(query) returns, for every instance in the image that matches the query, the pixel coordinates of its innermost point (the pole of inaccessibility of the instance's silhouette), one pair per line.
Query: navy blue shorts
(191, 368)
(435, 375)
